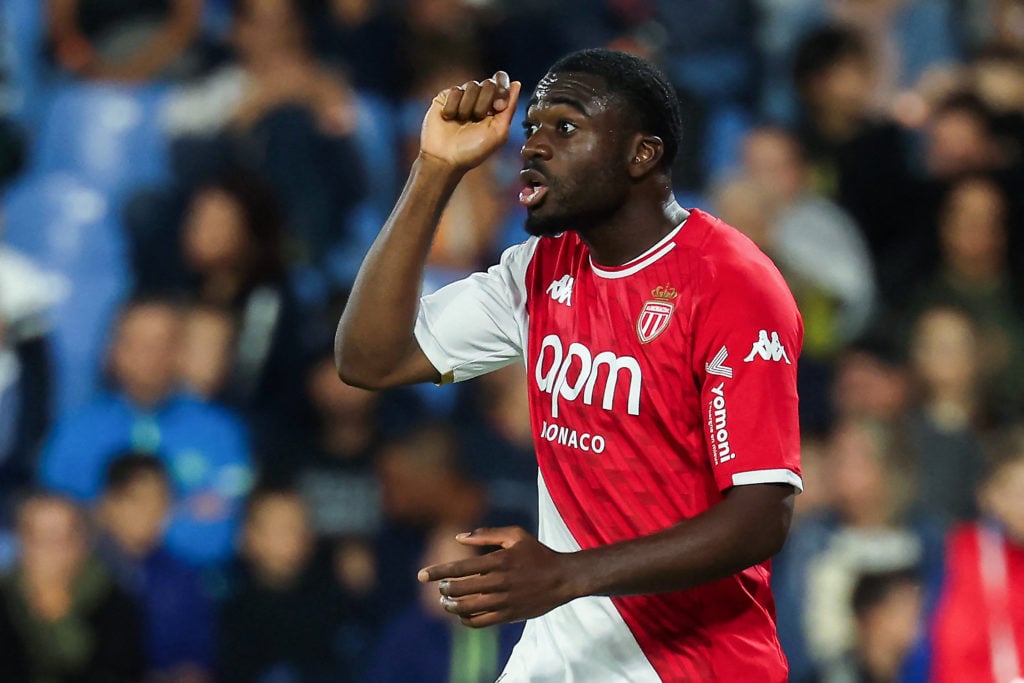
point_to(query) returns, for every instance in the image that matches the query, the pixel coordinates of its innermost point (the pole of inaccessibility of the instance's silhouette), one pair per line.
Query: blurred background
(187, 187)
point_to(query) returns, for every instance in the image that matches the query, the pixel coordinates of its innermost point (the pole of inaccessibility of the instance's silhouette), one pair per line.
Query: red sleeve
(747, 337)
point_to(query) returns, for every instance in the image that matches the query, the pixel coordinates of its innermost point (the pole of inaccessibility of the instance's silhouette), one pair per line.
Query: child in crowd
(132, 516)
(978, 631)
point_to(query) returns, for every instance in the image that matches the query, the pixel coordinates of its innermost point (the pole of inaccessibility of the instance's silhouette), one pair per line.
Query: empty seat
(67, 226)
(109, 135)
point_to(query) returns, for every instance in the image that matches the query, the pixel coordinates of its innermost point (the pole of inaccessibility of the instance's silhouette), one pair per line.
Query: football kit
(654, 387)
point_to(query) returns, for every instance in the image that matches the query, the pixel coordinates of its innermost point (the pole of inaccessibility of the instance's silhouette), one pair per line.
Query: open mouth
(534, 188)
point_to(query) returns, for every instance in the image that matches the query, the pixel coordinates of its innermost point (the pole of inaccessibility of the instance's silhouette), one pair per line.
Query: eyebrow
(569, 101)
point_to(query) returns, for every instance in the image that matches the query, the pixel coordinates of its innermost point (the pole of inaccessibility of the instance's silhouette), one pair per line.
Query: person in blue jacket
(203, 446)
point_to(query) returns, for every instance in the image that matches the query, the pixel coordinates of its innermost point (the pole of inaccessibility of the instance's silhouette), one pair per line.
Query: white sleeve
(477, 325)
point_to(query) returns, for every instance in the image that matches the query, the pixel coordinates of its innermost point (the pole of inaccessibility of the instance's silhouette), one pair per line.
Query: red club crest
(656, 313)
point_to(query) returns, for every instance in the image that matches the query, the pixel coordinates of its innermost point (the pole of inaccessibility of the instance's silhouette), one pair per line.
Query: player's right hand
(467, 123)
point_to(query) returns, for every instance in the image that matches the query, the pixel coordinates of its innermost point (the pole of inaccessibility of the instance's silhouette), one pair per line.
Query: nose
(536, 147)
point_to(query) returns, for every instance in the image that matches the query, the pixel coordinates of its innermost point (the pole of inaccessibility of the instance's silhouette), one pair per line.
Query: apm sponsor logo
(575, 373)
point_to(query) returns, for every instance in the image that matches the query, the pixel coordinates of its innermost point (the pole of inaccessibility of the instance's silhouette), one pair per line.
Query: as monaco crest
(656, 313)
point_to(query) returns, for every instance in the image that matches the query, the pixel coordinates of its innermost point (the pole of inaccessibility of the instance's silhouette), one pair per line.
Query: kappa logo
(767, 348)
(561, 290)
(656, 313)
(717, 365)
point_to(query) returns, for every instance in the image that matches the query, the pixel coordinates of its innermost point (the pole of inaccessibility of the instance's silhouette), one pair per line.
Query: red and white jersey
(654, 387)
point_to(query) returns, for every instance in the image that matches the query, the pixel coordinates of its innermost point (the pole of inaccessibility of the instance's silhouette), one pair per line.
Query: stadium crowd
(187, 491)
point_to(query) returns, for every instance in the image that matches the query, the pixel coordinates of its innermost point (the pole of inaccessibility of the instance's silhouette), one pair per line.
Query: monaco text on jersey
(569, 437)
(555, 365)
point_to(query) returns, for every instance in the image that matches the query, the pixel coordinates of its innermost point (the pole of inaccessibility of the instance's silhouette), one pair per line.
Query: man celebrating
(661, 350)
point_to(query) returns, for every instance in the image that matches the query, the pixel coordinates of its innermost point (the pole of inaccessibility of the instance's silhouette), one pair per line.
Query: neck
(837, 126)
(345, 438)
(636, 227)
(222, 287)
(952, 410)
(881, 659)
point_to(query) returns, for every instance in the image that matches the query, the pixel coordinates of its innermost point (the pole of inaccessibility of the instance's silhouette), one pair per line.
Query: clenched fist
(467, 123)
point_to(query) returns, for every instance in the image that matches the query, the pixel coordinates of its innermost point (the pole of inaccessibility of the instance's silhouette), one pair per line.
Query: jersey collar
(663, 246)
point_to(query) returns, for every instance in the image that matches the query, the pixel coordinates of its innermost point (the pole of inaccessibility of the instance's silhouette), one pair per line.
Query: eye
(529, 129)
(566, 127)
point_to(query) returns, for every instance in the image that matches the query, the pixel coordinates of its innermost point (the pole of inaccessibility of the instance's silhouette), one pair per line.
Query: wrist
(578, 580)
(436, 167)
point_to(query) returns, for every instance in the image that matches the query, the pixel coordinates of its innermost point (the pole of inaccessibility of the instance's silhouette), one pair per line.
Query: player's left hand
(522, 580)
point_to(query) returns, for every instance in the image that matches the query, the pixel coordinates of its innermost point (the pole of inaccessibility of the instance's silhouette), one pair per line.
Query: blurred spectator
(816, 245)
(856, 158)
(231, 246)
(998, 80)
(816, 498)
(497, 436)
(888, 609)
(277, 112)
(332, 466)
(974, 275)
(207, 351)
(836, 295)
(360, 36)
(870, 383)
(978, 630)
(709, 48)
(943, 427)
(338, 478)
(438, 33)
(283, 621)
(62, 617)
(27, 296)
(869, 527)
(125, 40)
(908, 39)
(425, 484)
(961, 138)
(425, 644)
(177, 618)
(231, 242)
(203, 446)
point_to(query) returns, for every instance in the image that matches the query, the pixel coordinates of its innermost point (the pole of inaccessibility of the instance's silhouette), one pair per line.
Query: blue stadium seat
(21, 40)
(727, 126)
(67, 226)
(109, 135)
(377, 138)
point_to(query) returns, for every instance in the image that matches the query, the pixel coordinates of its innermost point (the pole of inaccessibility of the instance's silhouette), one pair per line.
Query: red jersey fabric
(714, 409)
(979, 617)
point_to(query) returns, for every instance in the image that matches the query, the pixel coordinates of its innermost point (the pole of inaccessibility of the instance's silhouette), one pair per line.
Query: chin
(544, 226)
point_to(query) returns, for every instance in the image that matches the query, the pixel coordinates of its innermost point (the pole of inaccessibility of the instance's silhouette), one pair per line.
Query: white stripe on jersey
(584, 640)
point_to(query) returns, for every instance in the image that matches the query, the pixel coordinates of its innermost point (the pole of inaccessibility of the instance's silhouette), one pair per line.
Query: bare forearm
(375, 333)
(745, 529)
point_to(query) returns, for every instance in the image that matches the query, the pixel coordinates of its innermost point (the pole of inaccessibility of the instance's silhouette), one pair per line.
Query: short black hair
(269, 490)
(822, 49)
(640, 85)
(874, 587)
(969, 103)
(129, 467)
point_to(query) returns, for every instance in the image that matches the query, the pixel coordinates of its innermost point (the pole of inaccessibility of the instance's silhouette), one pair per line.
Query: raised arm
(375, 347)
